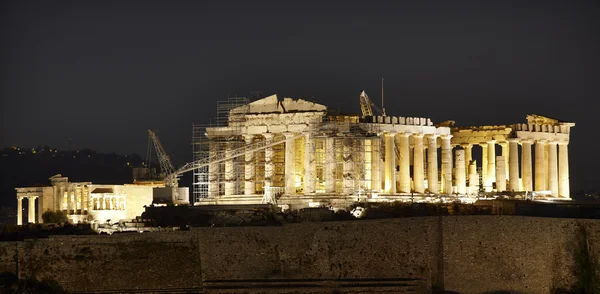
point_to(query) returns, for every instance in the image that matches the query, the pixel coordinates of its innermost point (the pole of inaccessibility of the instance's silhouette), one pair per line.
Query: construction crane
(170, 177)
(366, 105)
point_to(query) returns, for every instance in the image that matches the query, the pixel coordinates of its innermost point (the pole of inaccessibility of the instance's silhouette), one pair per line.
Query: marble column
(31, 212)
(55, 204)
(563, 170)
(75, 199)
(553, 168)
(213, 171)
(468, 156)
(249, 168)
(484, 165)
(290, 165)
(404, 164)
(526, 164)
(500, 174)
(69, 199)
(309, 157)
(375, 165)
(473, 178)
(418, 172)
(229, 171)
(540, 172)
(82, 199)
(506, 155)
(546, 161)
(40, 209)
(64, 197)
(268, 162)
(348, 167)
(19, 210)
(491, 169)
(390, 164)
(513, 163)
(447, 163)
(432, 164)
(330, 165)
(461, 178)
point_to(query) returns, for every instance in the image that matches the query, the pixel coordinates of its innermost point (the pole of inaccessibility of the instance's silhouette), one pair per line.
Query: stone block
(257, 130)
(297, 128)
(277, 129)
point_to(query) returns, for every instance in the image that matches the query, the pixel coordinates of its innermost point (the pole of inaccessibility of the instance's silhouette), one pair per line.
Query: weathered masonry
(296, 153)
(541, 142)
(84, 201)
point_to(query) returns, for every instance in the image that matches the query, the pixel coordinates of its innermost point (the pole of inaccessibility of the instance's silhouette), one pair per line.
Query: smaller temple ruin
(84, 201)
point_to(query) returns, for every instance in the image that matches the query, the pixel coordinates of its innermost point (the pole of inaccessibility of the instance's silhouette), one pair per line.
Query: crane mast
(170, 176)
(366, 105)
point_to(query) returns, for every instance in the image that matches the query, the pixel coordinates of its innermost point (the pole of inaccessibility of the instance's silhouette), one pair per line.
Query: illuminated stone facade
(533, 156)
(296, 153)
(84, 201)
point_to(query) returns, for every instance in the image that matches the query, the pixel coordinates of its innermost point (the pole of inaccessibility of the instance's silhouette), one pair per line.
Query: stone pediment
(58, 178)
(542, 120)
(272, 104)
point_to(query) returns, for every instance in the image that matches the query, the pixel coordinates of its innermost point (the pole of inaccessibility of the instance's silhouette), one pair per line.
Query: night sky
(103, 72)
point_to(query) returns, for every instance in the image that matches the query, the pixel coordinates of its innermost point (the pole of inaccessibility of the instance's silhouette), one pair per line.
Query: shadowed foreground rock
(465, 254)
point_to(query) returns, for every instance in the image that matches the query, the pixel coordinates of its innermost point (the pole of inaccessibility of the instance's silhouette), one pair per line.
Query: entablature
(540, 136)
(480, 134)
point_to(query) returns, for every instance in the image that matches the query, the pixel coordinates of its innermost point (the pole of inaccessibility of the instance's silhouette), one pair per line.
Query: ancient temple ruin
(84, 201)
(293, 152)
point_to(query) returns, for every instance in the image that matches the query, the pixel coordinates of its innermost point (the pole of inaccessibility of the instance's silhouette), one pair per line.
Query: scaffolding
(350, 156)
(201, 150)
(340, 151)
(225, 106)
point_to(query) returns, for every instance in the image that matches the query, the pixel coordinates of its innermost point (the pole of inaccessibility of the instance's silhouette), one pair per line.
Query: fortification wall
(127, 261)
(8, 257)
(465, 254)
(381, 250)
(516, 254)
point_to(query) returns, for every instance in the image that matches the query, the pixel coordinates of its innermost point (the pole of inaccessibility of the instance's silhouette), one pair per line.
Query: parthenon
(308, 156)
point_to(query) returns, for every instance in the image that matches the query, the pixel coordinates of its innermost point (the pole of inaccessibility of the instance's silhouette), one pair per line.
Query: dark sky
(103, 72)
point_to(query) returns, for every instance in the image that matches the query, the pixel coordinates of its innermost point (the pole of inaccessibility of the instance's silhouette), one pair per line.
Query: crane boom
(165, 162)
(366, 104)
(234, 153)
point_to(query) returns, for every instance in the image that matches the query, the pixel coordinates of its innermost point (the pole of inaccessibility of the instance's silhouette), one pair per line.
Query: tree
(54, 217)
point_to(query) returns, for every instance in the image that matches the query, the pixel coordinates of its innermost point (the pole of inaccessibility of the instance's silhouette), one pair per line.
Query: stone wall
(136, 198)
(8, 252)
(516, 254)
(465, 254)
(101, 263)
(385, 250)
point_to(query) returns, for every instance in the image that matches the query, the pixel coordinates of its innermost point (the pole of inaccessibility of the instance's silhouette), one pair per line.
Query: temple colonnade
(543, 165)
(409, 164)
